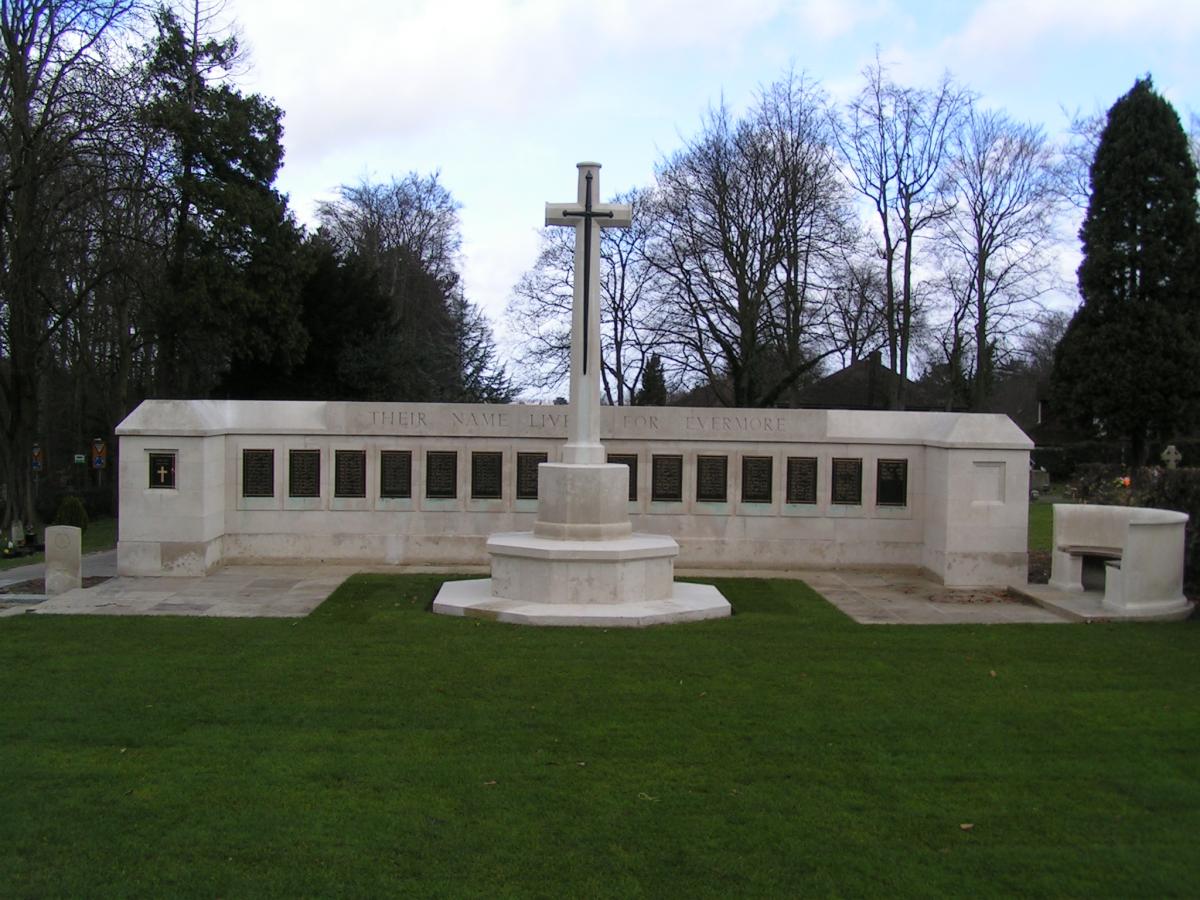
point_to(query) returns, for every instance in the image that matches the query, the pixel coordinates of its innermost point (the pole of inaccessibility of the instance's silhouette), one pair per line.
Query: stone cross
(1171, 456)
(585, 215)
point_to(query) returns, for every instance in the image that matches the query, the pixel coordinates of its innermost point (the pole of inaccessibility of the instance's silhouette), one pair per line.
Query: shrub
(1177, 489)
(71, 512)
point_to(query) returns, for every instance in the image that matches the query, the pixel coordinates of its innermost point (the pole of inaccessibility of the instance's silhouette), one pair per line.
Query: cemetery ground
(374, 749)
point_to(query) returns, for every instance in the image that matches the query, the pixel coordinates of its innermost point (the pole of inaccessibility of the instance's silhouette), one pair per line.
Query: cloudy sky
(503, 97)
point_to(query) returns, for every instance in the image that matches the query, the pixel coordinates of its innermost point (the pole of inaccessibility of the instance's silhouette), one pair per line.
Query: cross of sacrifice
(581, 216)
(585, 215)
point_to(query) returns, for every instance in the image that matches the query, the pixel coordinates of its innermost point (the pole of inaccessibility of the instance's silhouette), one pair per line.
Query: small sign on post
(1171, 456)
(37, 457)
(99, 454)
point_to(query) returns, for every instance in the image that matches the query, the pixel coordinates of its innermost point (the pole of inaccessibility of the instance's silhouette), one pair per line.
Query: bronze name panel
(666, 478)
(527, 474)
(847, 482)
(304, 473)
(486, 478)
(395, 474)
(802, 479)
(630, 460)
(258, 473)
(757, 473)
(349, 473)
(441, 474)
(712, 479)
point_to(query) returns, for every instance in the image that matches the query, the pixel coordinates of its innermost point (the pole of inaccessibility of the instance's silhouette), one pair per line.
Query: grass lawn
(1041, 524)
(101, 534)
(373, 749)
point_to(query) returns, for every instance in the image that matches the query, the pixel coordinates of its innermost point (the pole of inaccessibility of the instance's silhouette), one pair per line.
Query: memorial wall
(209, 482)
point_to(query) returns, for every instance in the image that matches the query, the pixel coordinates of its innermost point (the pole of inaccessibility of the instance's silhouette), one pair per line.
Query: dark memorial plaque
(891, 482)
(162, 470)
(527, 474)
(485, 475)
(349, 473)
(304, 473)
(712, 478)
(666, 478)
(802, 479)
(847, 482)
(258, 473)
(756, 479)
(631, 460)
(395, 474)
(441, 474)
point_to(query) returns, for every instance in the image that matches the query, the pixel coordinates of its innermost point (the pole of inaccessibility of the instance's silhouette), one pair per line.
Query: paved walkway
(870, 597)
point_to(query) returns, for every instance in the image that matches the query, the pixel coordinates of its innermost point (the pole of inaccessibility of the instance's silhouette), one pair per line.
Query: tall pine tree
(1130, 358)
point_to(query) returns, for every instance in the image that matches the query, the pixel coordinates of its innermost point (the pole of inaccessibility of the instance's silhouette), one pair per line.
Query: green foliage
(374, 750)
(1151, 487)
(71, 512)
(654, 384)
(1177, 489)
(1061, 462)
(1129, 358)
(231, 248)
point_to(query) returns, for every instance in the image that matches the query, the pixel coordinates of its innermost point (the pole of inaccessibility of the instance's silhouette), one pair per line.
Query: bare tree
(540, 309)
(895, 141)
(750, 214)
(996, 241)
(54, 120)
(857, 309)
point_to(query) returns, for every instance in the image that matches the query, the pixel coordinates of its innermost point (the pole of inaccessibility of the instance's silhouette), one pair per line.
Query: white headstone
(1171, 456)
(64, 559)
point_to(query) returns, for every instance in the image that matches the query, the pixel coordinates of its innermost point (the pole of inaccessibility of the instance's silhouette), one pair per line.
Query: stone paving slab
(870, 597)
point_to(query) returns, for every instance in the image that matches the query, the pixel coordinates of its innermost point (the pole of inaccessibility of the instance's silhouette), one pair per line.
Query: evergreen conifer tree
(1130, 359)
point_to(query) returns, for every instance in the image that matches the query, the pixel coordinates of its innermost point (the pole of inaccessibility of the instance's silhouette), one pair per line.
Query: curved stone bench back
(1150, 543)
(1084, 525)
(1151, 564)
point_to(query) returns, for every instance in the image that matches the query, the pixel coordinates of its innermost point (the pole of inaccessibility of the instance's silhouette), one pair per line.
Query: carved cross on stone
(585, 215)
(1171, 456)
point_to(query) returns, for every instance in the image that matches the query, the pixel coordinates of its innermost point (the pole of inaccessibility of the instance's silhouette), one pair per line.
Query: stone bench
(1141, 551)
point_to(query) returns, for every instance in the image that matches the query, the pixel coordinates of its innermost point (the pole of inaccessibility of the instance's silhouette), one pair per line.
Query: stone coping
(206, 418)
